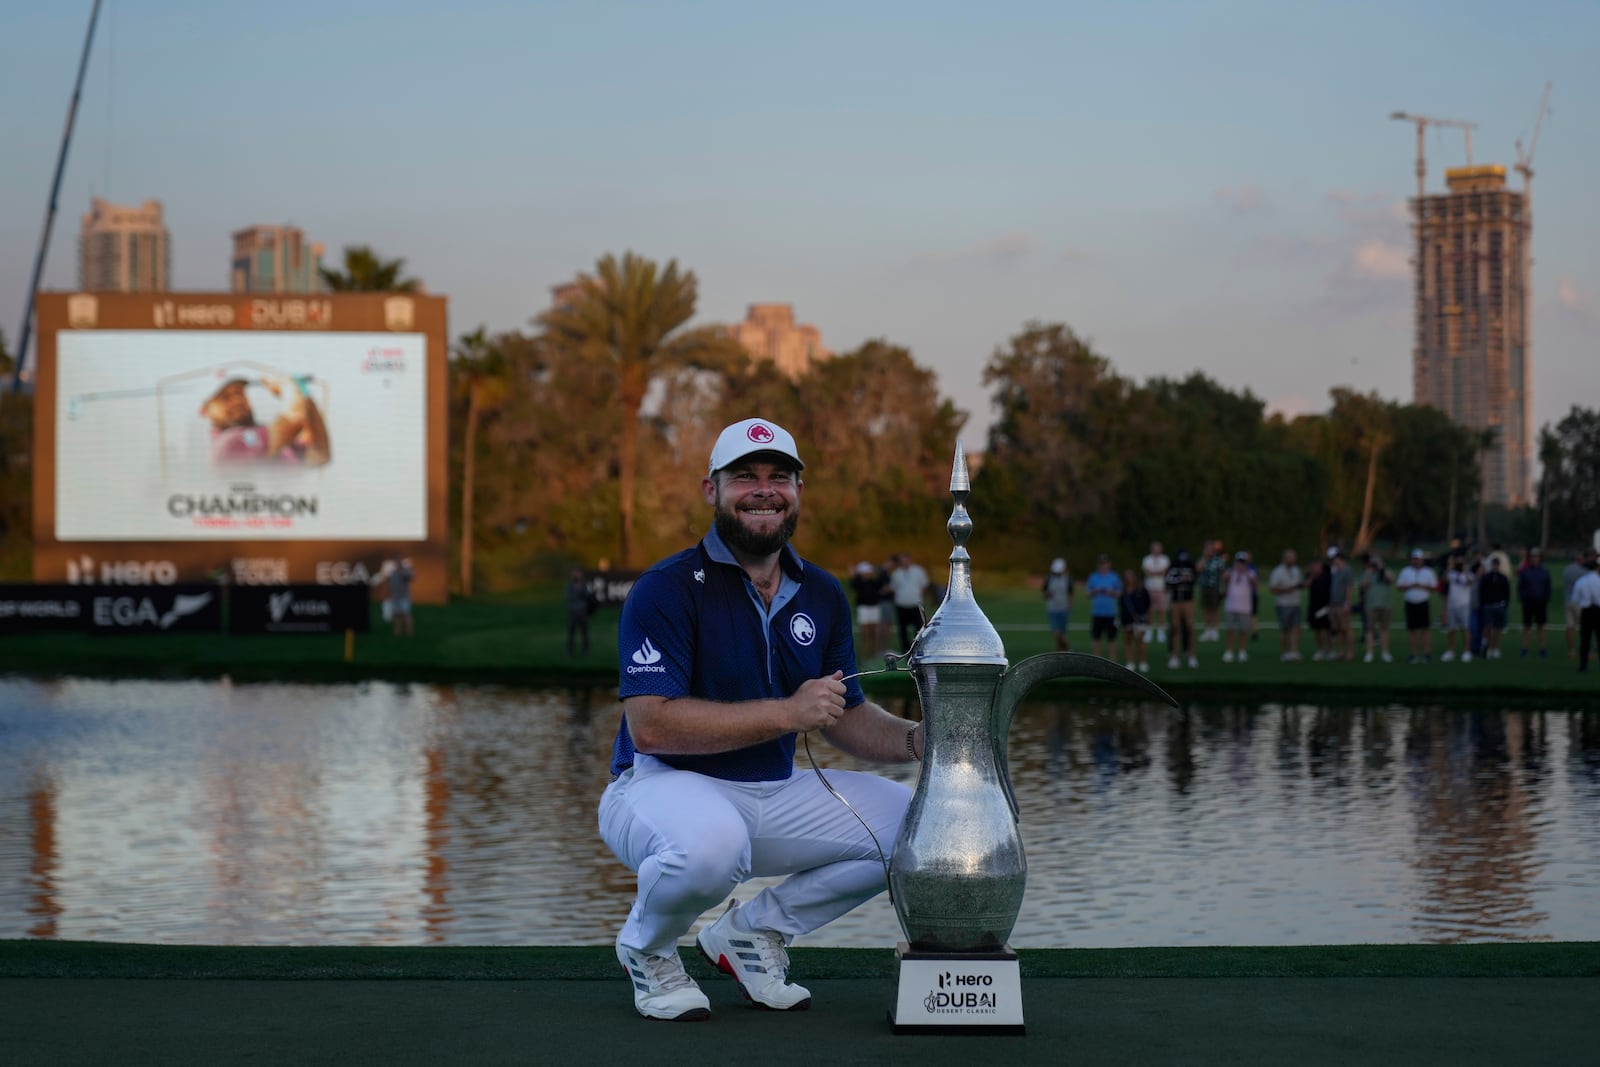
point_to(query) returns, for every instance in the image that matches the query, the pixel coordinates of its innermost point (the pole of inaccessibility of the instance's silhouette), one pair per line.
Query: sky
(1213, 187)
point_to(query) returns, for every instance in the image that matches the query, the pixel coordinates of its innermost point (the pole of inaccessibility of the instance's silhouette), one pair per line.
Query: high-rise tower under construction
(1471, 357)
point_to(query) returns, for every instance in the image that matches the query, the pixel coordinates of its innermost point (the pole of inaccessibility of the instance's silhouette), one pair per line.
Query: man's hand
(818, 703)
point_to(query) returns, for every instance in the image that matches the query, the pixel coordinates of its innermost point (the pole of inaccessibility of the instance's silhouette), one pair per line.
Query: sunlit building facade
(275, 259)
(124, 249)
(1471, 356)
(769, 332)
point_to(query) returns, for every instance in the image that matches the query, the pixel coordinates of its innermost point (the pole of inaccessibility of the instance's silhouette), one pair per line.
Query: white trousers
(692, 839)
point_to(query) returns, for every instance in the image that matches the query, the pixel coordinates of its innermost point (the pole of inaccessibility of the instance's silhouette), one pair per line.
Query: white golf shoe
(758, 961)
(662, 989)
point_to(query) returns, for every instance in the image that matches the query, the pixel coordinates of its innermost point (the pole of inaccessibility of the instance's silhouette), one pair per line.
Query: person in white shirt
(1155, 567)
(909, 582)
(1286, 581)
(1239, 590)
(1417, 584)
(1586, 597)
(1460, 582)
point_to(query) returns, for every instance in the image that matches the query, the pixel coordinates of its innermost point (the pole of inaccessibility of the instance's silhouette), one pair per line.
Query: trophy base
(958, 992)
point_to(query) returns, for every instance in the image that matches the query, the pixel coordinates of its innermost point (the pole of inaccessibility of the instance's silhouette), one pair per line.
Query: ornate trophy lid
(959, 631)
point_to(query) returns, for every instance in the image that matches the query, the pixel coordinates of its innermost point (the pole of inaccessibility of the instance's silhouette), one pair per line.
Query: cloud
(1241, 200)
(1379, 260)
(1576, 301)
(1372, 247)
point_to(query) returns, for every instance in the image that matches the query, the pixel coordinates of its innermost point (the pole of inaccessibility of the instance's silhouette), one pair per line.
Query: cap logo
(761, 435)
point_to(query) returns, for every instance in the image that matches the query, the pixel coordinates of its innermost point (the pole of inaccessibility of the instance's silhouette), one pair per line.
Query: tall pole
(50, 212)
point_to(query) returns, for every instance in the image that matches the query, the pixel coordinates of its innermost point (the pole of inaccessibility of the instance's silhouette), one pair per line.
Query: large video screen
(221, 435)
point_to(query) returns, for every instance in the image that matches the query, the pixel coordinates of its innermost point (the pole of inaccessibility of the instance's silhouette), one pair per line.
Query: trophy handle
(1015, 683)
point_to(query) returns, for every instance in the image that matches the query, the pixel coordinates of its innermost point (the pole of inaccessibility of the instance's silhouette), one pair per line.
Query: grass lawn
(521, 638)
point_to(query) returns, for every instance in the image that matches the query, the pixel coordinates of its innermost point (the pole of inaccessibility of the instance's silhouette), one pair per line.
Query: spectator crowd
(1463, 597)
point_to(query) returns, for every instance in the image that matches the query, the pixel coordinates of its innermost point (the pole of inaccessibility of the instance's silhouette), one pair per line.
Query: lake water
(381, 814)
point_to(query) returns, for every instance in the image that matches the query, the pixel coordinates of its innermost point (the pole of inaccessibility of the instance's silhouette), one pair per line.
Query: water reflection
(405, 814)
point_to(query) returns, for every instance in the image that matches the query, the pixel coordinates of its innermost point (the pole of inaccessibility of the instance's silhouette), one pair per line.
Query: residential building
(275, 259)
(124, 249)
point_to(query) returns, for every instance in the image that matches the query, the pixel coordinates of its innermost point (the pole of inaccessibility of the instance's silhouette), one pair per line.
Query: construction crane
(1525, 159)
(1423, 122)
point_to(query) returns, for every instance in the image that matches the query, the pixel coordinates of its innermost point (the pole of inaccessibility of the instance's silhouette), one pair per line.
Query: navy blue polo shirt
(695, 626)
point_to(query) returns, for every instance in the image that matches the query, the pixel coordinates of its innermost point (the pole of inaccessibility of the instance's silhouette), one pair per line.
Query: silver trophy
(959, 870)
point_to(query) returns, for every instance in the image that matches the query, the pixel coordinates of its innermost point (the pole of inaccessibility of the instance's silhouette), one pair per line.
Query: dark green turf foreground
(64, 1002)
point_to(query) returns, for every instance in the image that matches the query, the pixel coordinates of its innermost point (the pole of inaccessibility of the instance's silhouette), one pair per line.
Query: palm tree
(1549, 463)
(631, 315)
(481, 365)
(1485, 443)
(364, 272)
(1376, 441)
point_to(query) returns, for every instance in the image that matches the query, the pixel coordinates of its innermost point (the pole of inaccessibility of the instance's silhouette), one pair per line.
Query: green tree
(631, 317)
(1059, 446)
(547, 491)
(1349, 441)
(1482, 443)
(365, 272)
(1549, 461)
(1427, 473)
(1207, 463)
(1571, 484)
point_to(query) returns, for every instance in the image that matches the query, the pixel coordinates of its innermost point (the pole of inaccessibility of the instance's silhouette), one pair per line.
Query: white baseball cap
(1058, 566)
(749, 437)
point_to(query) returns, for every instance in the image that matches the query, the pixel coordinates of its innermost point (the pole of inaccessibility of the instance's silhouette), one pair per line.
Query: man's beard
(741, 538)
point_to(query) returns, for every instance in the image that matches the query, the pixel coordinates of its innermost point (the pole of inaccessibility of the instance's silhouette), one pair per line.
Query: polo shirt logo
(802, 629)
(646, 659)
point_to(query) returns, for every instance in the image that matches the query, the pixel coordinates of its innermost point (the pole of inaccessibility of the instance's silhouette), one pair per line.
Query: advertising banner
(241, 438)
(184, 608)
(610, 588)
(30, 608)
(299, 609)
(216, 435)
(132, 609)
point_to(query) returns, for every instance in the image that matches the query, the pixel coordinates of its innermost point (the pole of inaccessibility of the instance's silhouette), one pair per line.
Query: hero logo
(126, 611)
(647, 660)
(761, 435)
(169, 314)
(950, 981)
(83, 571)
(802, 628)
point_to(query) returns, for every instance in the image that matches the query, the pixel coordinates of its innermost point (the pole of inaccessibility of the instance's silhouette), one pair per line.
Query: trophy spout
(1015, 684)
